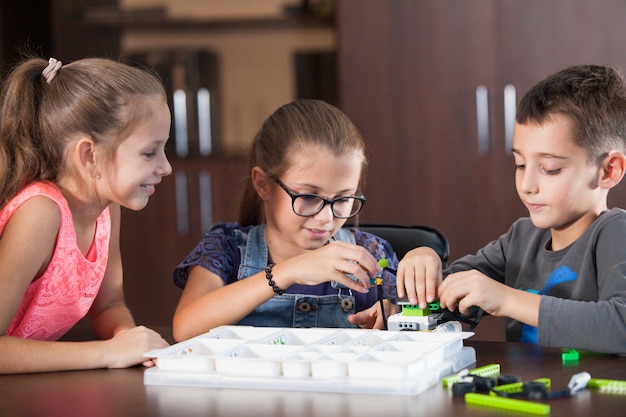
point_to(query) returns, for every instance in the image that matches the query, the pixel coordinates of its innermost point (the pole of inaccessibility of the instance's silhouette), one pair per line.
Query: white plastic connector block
(399, 322)
(578, 382)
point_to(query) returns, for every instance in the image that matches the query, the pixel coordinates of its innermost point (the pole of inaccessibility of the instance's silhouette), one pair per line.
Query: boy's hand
(465, 289)
(419, 276)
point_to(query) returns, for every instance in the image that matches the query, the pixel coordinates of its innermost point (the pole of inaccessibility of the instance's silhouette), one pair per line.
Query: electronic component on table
(414, 318)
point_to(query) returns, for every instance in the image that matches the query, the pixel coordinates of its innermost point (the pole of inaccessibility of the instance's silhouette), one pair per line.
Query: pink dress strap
(65, 292)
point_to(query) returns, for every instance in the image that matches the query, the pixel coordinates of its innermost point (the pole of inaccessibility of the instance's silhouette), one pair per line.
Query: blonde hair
(97, 97)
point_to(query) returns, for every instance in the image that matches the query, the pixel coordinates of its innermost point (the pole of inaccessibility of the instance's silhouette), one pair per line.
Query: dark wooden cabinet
(414, 76)
(155, 239)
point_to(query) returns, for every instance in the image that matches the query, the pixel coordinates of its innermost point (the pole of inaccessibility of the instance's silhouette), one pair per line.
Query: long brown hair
(97, 97)
(292, 127)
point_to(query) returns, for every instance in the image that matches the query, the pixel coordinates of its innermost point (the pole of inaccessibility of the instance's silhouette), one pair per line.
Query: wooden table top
(121, 392)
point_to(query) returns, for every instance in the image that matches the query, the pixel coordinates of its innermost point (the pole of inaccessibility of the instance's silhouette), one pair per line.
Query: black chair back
(405, 238)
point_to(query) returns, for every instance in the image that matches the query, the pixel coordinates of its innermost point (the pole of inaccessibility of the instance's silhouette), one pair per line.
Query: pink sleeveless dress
(60, 297)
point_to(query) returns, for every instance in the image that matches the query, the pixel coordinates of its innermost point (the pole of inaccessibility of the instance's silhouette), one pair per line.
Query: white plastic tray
(320, 359)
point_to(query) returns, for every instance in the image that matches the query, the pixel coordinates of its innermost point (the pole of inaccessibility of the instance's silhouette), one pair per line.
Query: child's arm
(419, 275)
(206, 296)
(26, 246)
(465, 289)
(109, 314)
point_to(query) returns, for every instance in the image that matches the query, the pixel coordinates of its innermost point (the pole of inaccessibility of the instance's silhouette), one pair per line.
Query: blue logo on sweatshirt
(559, 275)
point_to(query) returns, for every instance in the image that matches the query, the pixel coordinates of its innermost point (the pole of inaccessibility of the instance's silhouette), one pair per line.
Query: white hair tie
(51, 70)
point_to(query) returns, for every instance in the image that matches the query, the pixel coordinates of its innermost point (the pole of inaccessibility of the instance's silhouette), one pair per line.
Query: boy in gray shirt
(559, 275)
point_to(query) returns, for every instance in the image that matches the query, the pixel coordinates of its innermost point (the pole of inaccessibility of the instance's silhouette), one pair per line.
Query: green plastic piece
(511, 404)
(491, 370)
(613, 386)
(434, 306)
(383, 263)
(513, 388)
(570, 356)
(518, 387)
(408, 310)
(546, 381)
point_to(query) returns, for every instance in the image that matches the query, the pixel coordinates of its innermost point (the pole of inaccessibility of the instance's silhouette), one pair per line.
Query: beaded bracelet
(270, 281)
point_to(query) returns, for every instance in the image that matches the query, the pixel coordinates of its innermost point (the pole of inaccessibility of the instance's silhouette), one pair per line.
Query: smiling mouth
(318, 231)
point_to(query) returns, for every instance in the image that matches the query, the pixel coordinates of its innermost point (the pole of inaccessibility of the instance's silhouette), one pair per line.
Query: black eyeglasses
(307, 205)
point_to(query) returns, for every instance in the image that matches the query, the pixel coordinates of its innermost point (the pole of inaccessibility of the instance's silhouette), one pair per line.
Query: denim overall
(292, 310)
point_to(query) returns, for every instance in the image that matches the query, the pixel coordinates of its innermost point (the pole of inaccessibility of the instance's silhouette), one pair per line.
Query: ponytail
(24, 154)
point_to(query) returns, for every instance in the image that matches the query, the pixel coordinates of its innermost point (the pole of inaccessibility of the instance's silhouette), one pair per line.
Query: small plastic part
(578, 382)
(505, 390)
(461, 388)
(519, 389)
(511, 404)
(570, 356)
(546, 381)
(434, 306)
(508, 379)
(534, 387)
(409, 310)
(414, 310)
(483, 383)
(449, 326)
(402, 322)
(611, 386)
(491, 370)
(487, 370)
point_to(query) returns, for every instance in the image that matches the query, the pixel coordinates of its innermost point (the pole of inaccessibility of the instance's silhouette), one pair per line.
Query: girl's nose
(165, 168)
(325, 214)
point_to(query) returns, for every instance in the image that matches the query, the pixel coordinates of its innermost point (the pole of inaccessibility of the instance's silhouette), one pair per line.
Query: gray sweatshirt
(583, 286)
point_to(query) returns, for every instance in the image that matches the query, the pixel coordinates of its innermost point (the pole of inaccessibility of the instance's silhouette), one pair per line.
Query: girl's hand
(128, 346)
(332, 262)
(371, 317)
(419, 276)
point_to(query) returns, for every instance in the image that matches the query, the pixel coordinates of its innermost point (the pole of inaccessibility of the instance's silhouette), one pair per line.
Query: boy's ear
(613, 169)
(261, 182)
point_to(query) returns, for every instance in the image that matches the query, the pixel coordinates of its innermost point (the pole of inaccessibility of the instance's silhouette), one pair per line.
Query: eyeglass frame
(326, 201)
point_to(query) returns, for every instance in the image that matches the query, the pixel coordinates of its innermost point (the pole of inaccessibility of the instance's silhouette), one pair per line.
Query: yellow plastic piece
(612, 386)
(517, 387)
(510, 404)
(491, 370)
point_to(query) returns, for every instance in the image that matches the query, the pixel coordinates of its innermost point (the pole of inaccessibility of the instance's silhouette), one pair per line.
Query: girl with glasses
(288, 262)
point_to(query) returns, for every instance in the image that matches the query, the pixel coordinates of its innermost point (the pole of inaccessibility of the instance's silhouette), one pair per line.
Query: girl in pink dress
(77, 141)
